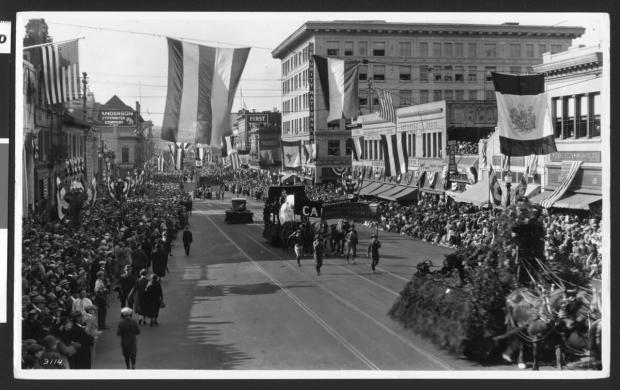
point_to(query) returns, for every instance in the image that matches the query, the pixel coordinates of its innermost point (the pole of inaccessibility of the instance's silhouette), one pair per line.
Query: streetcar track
(301, 304)
(353, 307)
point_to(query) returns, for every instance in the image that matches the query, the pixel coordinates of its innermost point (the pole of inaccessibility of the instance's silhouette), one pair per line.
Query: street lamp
(508, 180)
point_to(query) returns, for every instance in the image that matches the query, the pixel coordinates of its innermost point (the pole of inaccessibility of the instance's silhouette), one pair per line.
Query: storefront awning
(433, 187)
(383, 188)
(540, 197)
(400, 193)
(576, 201)
(370, 187)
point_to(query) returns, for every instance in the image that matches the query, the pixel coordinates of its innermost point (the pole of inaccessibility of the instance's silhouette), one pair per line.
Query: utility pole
(84, 89)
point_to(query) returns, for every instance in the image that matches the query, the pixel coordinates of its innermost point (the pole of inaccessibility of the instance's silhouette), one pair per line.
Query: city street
(238, 303)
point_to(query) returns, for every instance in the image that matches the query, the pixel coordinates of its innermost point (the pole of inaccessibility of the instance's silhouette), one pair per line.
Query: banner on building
(61, 72)
(339, 82)
(291, 154)
(395, 154)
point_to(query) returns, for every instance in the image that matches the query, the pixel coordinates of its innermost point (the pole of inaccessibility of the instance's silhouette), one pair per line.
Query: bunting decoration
(524, 123)
(495, 188)
(395, 154)
(568, 172)
(202, 82)
(339, 82)
(61, 203)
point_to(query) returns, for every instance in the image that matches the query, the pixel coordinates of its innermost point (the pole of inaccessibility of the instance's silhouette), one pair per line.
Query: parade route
(237, 302)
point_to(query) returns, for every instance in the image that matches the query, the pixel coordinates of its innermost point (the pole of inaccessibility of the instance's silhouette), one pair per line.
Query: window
(411, 151)
(378, 72)
(582, 120)
(489, 94)
(515, 69)
(424, 96)
(437, 73)
(378, 49)
(569, 123)
(529, 50)
(472, 50)
(375, 101)
(473, 94)
(556, 49)
(348, 48)
(363, 72)
(125, 154)
(447, 49)
(375, 155)
(458, 49)
(405, 97)
(459, 94)
(423, 73)
(363, 100)
(405, 73)
(542, 48)
(448, 94)
(362, 49)
(487, 71)
(515, 50)
(404, 49)
(490, 50)
(423, 145)
(332, 48)
(436, 49)
(472, 74)
(447, 73)
(458, 74)
(347, 149)
(434, 144)
(439, 144)
(423, 46)
(437, 94)
(595, 118)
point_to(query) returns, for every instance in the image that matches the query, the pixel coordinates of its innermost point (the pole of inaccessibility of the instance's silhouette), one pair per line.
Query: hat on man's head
(50, 341)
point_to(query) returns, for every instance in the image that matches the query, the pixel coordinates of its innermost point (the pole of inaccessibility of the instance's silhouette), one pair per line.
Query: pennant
(524, 123)
(567, 174)
(495, 188)
(202, 82)
(339, 82)
(291, 152)
(235, 161)
(386, 106)
(358, 151)
(227, 147)
(395, 154)
(61, 73)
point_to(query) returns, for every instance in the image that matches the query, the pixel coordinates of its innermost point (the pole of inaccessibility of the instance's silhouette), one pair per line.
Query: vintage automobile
(238, 213)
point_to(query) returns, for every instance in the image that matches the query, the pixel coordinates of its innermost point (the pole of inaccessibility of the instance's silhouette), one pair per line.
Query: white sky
(134, 66)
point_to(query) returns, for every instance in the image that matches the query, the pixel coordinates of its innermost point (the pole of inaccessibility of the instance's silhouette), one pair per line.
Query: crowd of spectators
(69, 271)
(466, 147)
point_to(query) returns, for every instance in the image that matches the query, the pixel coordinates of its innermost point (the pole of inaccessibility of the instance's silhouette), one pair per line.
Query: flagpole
(52, 43)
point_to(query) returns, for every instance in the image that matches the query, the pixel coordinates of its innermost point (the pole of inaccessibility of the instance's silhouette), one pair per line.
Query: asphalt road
(238, 303)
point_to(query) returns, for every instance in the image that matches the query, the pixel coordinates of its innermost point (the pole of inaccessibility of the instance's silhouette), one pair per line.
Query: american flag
(571, 168)
(386, 107)
(61, 73)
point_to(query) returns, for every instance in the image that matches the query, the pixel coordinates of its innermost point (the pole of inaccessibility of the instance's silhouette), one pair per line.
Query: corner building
(417, 62)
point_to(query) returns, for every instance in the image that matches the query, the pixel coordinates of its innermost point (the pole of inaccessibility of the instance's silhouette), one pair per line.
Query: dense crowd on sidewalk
(71, 273)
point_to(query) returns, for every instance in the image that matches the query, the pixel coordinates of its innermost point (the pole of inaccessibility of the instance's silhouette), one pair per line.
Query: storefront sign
(594, 156)
(117, 117)
(431, 165)
(516, 161)
(260, 118)
(472, 115)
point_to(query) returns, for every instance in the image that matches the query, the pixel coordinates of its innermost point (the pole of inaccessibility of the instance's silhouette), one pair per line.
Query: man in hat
(51, 358)
(318, 248)
(297, 238)
(128, 330)
(187, 240)
(373, 249)
(127, 281)
(81, 301)
(350, 244)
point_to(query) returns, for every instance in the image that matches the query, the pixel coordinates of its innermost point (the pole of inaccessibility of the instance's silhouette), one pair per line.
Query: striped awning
(370, 187)
(399, 193)
(383, 188)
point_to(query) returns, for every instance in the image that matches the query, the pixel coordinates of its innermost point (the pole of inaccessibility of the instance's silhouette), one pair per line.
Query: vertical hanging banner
(311, 89)
(202, 82)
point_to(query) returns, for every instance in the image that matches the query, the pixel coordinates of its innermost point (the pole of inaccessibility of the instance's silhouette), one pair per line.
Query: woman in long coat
(140, 296)
(159, 261)
(154, 297)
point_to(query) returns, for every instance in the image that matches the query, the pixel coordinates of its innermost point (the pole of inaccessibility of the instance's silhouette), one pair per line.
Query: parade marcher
(138, 258)
(160, 260)
(299, 247)
(318, 248)
(126, 283)
(351, 244)
(128, 330)
(154, 299)
(101, 300)
(138, 295)
(187, 240)
(373, 249)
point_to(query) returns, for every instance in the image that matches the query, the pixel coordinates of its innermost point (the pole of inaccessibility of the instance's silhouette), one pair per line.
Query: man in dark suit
(128, 329)
(187, 240)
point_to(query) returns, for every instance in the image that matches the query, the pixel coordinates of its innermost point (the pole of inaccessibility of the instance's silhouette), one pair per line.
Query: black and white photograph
(311, 195)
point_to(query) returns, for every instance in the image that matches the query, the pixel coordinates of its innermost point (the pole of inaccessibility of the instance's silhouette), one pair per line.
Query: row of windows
(300, 80)
(298, 103)
(296, 60)
(405, 97)
(441, 49)
(437, 73)
(73, 145)
(577, 116)
(296, 126)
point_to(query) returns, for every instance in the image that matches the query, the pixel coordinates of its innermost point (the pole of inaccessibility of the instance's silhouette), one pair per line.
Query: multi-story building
(416, 62)
(574, 85)
(256, 135)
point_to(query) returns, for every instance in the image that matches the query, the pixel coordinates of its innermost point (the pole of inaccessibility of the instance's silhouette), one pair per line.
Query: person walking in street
(126, 283)
(187, 240)
(299, 247)
(154, 299)
(101, 300)
(138, 292)
(373, 249)
(318, 248)
(351, 244)
(160, 260)
(128, 330)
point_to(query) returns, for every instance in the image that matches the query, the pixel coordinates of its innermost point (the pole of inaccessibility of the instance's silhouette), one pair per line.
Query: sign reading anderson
(117, 117)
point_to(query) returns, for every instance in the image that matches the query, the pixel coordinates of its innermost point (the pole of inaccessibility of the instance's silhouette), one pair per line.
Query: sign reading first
(117, 117)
